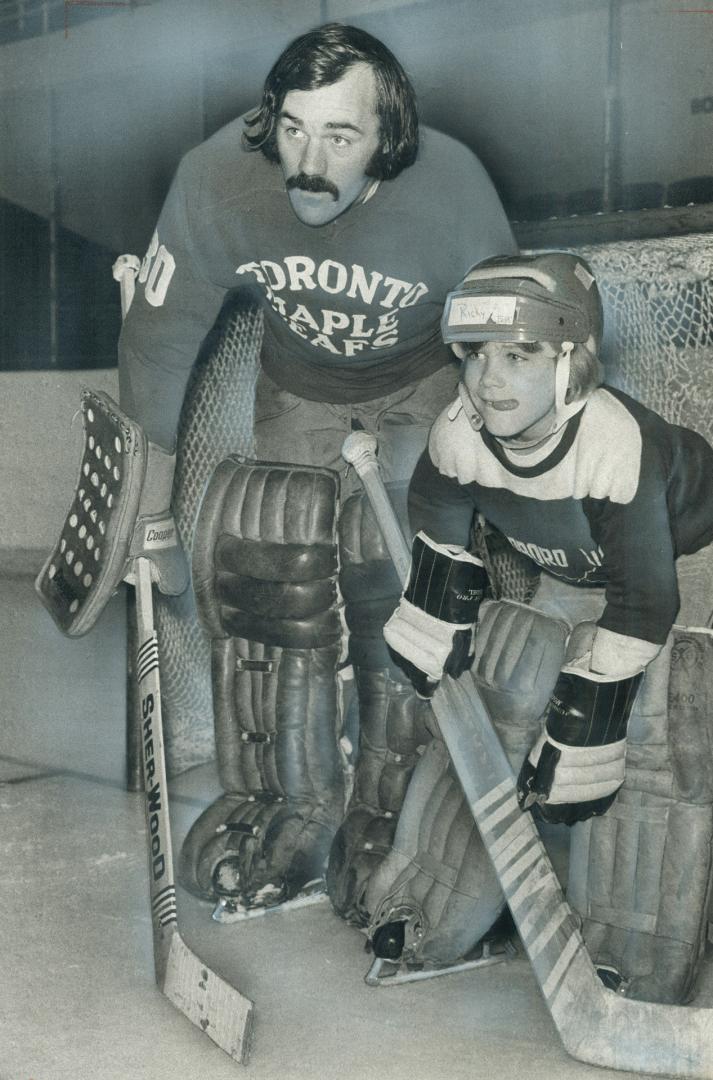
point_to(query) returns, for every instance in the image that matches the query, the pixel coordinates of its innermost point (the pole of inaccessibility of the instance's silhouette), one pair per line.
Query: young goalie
(603, 495)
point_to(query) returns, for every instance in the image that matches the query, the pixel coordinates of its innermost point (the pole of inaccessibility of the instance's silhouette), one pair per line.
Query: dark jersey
(619, 498)
(352, 308)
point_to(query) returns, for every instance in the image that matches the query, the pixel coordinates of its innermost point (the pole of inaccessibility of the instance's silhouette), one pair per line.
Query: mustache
(312, 183)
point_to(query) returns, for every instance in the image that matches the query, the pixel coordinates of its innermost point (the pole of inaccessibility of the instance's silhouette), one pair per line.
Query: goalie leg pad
(640, 876)
(519, 652)
(120, 511)
(438, 879)
(265, 577)
(391, 733)
(391, 717)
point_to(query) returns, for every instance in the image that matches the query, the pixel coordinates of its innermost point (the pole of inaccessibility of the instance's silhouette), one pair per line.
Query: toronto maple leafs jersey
(352, 308)
(621, 495)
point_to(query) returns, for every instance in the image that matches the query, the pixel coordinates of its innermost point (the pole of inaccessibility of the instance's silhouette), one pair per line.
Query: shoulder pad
(604, 473)
(454, 445)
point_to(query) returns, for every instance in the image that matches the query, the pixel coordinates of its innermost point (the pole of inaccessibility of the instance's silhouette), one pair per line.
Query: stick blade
(208, 1001)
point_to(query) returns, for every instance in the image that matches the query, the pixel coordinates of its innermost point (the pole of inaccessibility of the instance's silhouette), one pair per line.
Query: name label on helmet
(469, 311)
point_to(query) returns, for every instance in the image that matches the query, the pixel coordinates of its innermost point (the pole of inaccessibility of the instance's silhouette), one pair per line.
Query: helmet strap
(562, 371)
(474, 417)
(562, 412)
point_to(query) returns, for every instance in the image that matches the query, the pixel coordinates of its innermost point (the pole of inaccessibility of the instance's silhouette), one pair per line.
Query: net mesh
(658, 308)
(658, 347)
(216, 420)
(658, 300)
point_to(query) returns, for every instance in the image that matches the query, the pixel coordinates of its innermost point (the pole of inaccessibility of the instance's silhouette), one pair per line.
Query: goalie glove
(576, 767)
(120, 511)
(431, 632)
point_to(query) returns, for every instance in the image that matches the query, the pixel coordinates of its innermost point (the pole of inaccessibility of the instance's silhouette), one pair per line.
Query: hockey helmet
(549, 297)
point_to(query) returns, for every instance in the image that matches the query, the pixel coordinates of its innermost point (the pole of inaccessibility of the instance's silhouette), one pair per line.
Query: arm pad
(445, 582)
(576, 767)
(431, 631)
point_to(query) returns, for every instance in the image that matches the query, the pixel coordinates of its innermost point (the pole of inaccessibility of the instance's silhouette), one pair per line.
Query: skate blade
(231, 910)
(208, 1001)
(389, 973)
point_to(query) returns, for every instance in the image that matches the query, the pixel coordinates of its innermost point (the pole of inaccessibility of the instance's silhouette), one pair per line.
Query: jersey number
(156, 272)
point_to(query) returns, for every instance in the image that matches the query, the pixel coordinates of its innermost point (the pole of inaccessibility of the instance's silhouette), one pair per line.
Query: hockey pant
(265, 577)
(438, 879)
(640, 875)
(392, 729)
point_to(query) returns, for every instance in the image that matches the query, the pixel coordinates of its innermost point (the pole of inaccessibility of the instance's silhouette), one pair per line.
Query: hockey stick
(209, 1002)
(595, 1025)
(124, 271)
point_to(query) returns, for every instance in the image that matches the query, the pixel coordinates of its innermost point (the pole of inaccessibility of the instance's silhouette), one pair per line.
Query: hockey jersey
(352, 308)
(621, 495)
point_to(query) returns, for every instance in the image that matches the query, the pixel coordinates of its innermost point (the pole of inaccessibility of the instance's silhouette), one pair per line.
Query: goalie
(319, 204)
(604, 496)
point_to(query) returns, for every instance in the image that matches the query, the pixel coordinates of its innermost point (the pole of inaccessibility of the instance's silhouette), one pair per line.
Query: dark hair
(321, 57)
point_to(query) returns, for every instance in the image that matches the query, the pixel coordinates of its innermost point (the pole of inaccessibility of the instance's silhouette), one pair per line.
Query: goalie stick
(207, 1000)
(595, 1025)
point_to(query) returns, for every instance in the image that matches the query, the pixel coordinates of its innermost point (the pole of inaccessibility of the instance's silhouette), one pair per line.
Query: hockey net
(216, 420)
(658, 300)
